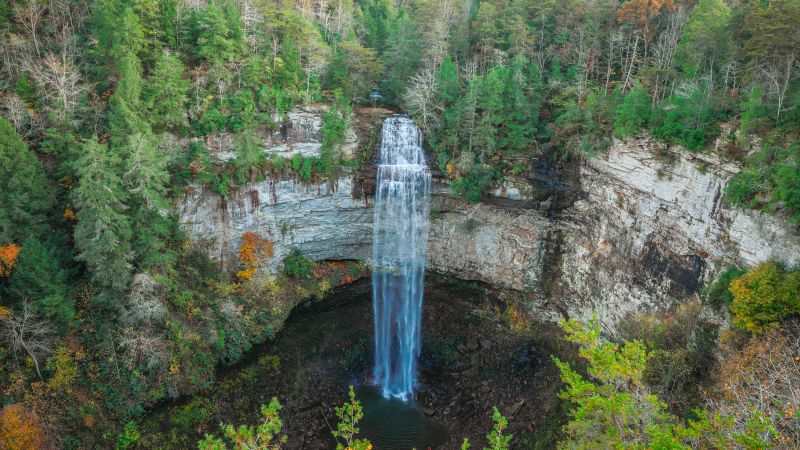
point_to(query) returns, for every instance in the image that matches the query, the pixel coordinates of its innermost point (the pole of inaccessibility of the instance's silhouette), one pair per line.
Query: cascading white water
(400, 241)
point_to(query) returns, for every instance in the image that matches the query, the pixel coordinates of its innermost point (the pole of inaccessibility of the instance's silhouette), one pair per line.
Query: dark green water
(392, 424)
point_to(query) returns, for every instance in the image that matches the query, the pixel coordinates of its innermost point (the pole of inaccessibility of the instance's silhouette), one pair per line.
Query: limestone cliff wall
(649, 224)
(653, 227)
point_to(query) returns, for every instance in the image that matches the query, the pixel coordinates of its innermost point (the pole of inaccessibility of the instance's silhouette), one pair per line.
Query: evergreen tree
(146, 179)
(448, 93)
(519, 109)
(125, 107)
(218, 30)
(39, 279)
(103, 232)
(401, 57)
(166, 94)
(704, 45)
(25, 193)
(375, 17)
(490, 104)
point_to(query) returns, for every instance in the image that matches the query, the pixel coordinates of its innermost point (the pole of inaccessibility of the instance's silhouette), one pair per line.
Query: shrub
(770, 181)
(221, 185)
(764, 296)
(267, 435)
(349, 415)
(688, 118)
(472, 186)
(296, 265)
(633, 113)
(613, 408)
(717, 293)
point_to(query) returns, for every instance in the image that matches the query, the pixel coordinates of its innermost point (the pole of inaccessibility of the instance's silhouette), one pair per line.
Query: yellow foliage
(764, 296)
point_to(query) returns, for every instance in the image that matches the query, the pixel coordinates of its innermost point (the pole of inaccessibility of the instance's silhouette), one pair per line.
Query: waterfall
(399, 247)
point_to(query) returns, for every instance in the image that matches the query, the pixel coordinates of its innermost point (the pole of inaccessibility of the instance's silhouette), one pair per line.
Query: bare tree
(420, 97)
(24, 331)
(29, 13)
(763, 378)
(59, 83)
(16, 111)
(141, 342)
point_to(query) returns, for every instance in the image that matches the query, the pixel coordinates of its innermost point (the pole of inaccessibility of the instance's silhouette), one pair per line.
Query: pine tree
(518, 109)
(125, 106)
(146, 179)
(448, 92)
(166, 93)
(402, 57)
(26, 195)
(490, 104)
(103, 232)
(40, 280)
(218, 29)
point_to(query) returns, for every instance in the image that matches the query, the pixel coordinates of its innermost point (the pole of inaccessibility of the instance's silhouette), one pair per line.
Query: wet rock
(428, 411)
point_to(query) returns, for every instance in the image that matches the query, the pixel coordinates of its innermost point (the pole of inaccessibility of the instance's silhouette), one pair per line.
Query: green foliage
(166, 94)
(770, 181)
(39, 279)
(705, 43)
(221, 185)
(764, 296)
(355, 70)
(129, 438)
(25, 192)
(688, 118)
(267, 435)
(497, 440)
(613, 408)
(218, 32)
(401, 57)
(296, 265)
(103, 233)
(633, 113)
(349, 415)
(334, 127)
(717, 293)
(477, 181)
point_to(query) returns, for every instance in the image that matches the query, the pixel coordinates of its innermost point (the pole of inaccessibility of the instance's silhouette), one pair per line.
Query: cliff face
(643, 230)
(651, 228)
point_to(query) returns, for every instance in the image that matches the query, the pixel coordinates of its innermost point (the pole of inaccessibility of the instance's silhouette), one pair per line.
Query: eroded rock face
(322, 219)
(645, 228)
(480, 242)
(649, 229)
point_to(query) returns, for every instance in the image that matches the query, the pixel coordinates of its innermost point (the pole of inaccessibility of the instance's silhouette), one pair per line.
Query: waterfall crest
(400, 240)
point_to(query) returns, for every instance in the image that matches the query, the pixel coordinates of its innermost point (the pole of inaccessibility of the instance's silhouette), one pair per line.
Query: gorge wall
(648, 224)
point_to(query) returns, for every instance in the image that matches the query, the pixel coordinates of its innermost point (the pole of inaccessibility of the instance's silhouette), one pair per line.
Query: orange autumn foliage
(8, 257)
(254, 248)
(639, 13)
(69, 214)
(19, 429)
